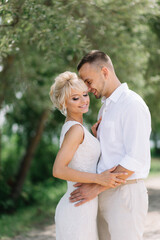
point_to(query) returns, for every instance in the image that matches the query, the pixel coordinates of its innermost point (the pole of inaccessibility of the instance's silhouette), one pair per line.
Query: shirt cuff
(131, 164)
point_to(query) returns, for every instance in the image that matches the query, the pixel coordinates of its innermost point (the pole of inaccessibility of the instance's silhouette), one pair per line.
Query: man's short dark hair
(92, 57)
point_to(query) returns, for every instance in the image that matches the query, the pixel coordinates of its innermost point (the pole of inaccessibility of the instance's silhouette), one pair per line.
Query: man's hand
(120, 169)
(94, 128)
(85, 192)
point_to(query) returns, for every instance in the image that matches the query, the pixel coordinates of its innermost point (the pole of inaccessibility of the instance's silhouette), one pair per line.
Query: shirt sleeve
(136, 126)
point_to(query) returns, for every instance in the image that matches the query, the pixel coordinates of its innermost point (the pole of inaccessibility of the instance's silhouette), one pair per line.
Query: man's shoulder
(131, 98)
(132, 101)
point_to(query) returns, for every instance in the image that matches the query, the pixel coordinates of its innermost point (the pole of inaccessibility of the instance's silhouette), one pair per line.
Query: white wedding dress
(78, 223)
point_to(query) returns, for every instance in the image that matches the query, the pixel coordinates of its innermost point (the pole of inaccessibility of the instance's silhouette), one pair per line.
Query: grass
(32, 216)
(43, 213)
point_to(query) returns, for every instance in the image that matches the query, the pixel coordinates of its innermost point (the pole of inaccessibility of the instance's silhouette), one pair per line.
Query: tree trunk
(27, 158)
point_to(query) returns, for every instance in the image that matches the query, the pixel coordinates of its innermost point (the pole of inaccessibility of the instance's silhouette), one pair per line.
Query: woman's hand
(94, 128)
(109, 179)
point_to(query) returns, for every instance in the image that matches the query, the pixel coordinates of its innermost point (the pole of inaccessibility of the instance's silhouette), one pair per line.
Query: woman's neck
(76, 118)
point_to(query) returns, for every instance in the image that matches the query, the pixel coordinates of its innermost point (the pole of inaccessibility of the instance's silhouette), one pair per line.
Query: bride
(76, 160)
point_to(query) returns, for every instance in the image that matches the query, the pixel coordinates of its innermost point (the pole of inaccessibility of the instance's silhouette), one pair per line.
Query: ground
(152, 228)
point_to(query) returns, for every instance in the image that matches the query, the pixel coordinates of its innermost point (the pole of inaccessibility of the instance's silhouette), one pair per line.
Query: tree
(41, 39)
(153, 76)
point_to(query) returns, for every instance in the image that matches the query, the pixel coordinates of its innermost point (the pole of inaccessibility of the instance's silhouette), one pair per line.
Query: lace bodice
(85, 158)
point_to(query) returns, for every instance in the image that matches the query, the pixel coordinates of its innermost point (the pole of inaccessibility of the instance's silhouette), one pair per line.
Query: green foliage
(47, 195)
(153, 73)
(39, 40)
(5, 202)
(155, 166)
(41, 170)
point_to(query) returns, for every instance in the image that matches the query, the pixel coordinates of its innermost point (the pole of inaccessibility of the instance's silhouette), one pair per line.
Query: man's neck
(114, 85)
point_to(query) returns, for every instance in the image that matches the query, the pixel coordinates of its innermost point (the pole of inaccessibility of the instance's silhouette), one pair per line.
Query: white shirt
(124, 133)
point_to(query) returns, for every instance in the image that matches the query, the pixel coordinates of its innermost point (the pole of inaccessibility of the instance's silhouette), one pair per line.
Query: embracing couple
(106, 197)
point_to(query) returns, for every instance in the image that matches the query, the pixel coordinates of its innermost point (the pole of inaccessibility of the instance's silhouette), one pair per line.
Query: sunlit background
(39, 40)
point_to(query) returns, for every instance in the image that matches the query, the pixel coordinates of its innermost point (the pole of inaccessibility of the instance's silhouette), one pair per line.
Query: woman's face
(78, 102)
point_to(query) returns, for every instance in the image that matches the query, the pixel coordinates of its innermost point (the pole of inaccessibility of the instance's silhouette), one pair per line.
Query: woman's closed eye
(76, 98)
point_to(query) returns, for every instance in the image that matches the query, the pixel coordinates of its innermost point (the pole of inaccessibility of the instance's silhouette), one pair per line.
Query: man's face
(94, 79)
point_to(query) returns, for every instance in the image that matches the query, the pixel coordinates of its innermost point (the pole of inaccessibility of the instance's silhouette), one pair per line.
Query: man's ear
(105, 72)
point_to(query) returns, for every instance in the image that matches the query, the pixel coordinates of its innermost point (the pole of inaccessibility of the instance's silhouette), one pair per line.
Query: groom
(124, 133)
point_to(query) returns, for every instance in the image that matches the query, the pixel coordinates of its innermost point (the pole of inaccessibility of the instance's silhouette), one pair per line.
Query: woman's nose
(83, 100)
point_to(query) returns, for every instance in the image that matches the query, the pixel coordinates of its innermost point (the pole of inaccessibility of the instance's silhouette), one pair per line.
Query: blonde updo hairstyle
(61, 89)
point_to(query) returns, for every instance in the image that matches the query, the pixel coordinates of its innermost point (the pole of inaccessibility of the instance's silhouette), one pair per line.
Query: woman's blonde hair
(61, 89)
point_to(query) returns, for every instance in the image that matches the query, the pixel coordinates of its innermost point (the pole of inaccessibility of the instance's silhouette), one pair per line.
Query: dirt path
(152, 229)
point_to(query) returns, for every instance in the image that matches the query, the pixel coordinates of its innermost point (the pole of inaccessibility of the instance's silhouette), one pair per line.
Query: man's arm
(119, 168)
(136, 133)
(136, 126)
(86, 192)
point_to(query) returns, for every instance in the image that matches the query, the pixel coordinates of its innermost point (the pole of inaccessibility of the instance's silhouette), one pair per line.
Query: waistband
(133, 181)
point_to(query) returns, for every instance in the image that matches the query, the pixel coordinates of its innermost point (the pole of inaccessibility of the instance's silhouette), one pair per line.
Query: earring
(64, 111)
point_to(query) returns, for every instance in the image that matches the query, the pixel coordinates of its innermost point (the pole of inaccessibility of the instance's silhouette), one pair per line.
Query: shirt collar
(116, 94)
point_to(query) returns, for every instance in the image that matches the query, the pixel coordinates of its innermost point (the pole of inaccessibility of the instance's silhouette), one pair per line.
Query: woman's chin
(85, 110)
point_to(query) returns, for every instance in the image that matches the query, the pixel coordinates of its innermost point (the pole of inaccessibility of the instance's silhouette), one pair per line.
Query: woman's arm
(72, 140)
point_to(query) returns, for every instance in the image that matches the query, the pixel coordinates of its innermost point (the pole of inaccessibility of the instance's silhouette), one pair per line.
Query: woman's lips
(84, 106)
